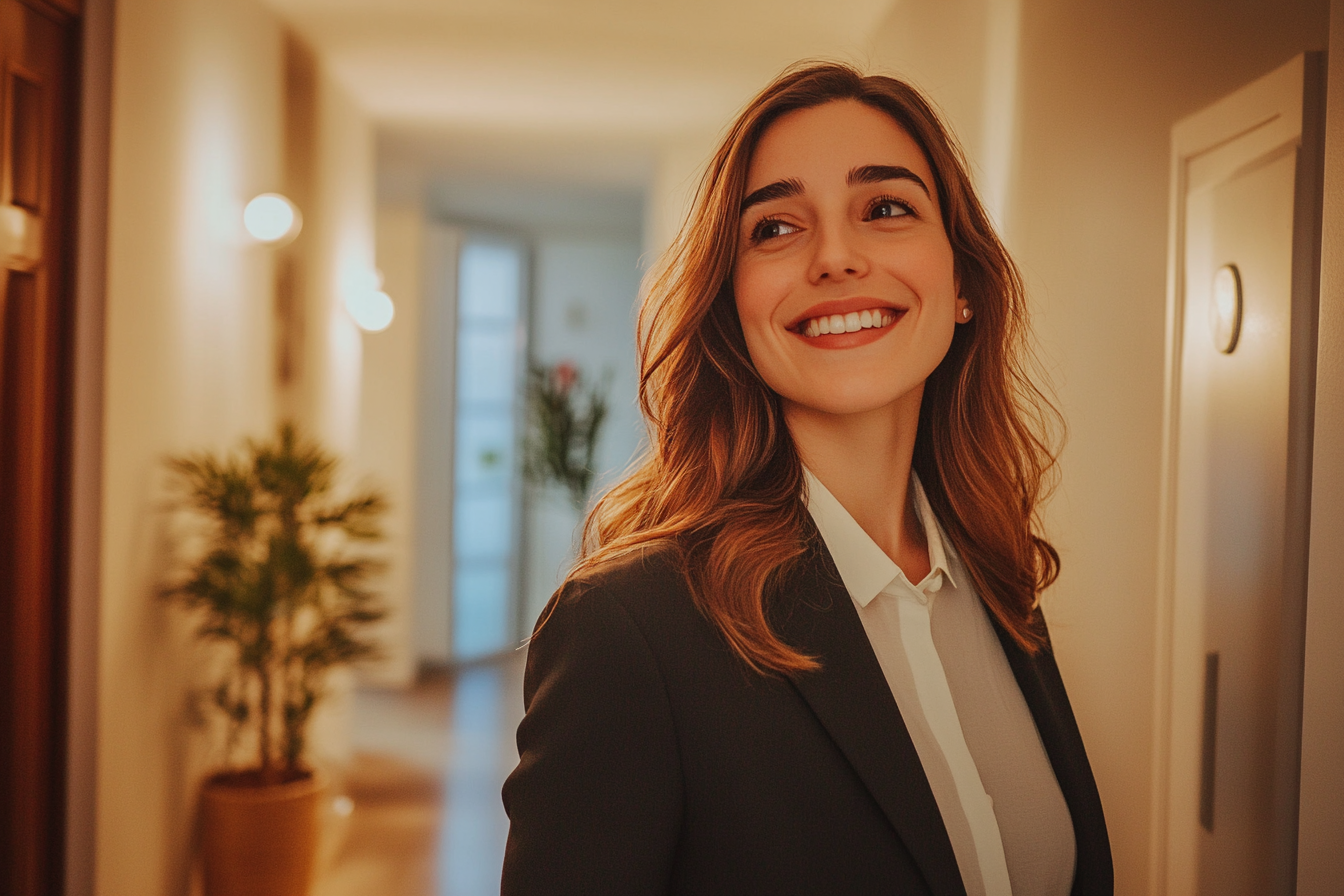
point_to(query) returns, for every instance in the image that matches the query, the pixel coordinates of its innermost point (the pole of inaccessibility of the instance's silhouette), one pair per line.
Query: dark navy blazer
(653, 761)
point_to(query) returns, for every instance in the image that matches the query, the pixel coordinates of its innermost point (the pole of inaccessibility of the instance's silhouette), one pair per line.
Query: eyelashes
(770, 227)
(763, 229)
(905, 207)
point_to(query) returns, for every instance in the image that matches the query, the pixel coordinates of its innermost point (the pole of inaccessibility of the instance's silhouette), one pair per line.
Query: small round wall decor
(1225, 309)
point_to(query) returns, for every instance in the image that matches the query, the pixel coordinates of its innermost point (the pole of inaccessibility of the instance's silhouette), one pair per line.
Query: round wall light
(371, 309)
(272, 218)
(1225, 309)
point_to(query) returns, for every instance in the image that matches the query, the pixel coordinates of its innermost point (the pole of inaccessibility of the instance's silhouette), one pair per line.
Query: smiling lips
(851, 322)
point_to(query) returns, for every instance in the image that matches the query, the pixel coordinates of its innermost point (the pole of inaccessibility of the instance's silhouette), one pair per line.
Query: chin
(855, 401)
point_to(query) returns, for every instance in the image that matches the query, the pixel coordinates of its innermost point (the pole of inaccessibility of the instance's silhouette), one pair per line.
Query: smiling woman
(801, 651)
(847, 239)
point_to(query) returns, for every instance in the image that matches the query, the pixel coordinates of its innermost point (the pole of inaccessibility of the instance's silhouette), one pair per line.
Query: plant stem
(264, 740)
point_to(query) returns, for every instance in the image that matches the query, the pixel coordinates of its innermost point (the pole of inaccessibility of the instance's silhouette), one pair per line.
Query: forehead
(831, 139)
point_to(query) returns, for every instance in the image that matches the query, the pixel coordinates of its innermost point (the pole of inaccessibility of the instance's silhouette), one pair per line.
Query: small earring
(965, 314)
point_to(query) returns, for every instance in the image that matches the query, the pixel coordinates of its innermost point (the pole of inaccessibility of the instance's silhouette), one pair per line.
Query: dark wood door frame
(39, 145)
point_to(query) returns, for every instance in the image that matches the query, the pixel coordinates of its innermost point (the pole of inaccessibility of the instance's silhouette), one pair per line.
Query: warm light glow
(371, 309)
(271, 218)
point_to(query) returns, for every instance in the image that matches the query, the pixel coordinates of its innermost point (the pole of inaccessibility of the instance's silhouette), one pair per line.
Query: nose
(836, 255)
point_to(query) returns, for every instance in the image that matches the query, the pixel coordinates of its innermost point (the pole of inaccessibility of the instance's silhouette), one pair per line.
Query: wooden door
(38, 109)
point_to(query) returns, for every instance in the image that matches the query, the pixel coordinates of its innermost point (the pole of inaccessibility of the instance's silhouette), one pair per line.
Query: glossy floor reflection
(427, 818)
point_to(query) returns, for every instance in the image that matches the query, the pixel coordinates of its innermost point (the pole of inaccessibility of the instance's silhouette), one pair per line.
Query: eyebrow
(780, 189)
(873, 174)
(864, 174)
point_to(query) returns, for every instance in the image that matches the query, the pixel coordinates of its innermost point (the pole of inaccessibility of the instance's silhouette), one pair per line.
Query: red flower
(563, 377)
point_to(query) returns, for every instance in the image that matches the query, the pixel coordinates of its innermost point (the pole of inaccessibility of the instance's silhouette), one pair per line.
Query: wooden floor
(424, 817)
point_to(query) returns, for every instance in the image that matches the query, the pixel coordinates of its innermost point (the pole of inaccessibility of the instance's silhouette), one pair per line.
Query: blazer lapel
(849, 694)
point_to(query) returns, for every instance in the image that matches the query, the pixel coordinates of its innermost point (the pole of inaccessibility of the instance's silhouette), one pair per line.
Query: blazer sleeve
(594, 805)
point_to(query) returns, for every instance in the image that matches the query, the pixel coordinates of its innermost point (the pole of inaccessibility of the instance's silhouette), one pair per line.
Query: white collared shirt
(1009, 825)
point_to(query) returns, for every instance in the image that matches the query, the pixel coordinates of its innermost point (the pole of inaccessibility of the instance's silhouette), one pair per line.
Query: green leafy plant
(272, 581)
(565, 423)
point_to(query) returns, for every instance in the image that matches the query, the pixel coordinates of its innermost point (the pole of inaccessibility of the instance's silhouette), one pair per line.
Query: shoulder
(645, 588)
(636, 612)
(660, 563)
(598, 755)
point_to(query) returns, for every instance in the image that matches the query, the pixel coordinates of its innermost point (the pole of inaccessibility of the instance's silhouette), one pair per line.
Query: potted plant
(270, 577)
(566, 421)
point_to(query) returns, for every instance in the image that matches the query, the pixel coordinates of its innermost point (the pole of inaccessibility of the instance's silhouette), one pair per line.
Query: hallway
(577, 129)
(429, 763)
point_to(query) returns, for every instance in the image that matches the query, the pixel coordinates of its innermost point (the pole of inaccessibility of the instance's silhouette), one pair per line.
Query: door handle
(1209, 750)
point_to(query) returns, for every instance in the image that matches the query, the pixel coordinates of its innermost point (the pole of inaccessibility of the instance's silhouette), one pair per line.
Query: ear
(963, 311)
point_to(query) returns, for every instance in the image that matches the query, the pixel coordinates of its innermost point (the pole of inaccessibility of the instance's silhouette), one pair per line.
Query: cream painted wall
(1100, 85)
(196, 125)
(433, 579)
(338, 252)
(197, 129)
(678, 166)
(962, 54)
(389, 426)
(336, 249)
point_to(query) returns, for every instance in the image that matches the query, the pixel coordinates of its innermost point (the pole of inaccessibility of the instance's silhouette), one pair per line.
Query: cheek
(753, 296)
(933, 270)
(756, 296)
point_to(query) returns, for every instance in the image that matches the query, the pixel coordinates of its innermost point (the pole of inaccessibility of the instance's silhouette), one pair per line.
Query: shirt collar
(864, 567)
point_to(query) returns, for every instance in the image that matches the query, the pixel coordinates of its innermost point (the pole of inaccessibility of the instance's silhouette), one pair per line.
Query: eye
(888, 207)
(771, 228)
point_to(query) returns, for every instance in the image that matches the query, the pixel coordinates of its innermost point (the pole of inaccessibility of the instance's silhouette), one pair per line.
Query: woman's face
(843, 279)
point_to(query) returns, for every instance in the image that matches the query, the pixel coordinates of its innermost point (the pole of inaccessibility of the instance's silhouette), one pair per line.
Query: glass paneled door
(491, 347)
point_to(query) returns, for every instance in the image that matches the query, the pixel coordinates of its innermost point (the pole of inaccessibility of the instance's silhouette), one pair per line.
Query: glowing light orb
(372, 310)
(270, 218)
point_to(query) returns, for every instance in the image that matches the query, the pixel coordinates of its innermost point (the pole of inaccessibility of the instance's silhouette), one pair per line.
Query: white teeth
(848, 323)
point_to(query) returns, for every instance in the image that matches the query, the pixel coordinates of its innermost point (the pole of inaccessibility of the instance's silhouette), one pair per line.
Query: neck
(864, 461)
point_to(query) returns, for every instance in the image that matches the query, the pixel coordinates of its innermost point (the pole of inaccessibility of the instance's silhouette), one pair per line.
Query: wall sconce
(272, 219)
(371, 308)
(1226, 309)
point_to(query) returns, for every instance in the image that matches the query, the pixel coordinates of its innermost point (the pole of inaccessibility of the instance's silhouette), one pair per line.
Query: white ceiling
(583, 90)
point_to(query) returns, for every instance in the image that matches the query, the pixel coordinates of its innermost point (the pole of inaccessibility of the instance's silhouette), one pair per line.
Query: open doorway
(514, 278)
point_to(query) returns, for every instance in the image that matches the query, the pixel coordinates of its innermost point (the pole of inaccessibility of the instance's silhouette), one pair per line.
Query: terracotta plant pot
(260, 839)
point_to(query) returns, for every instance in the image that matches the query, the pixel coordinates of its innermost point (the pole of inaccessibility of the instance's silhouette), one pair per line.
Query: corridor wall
(392, 403)
(197, 129)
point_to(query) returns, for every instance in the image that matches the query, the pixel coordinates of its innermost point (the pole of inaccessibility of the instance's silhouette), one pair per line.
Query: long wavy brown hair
(722, 483)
